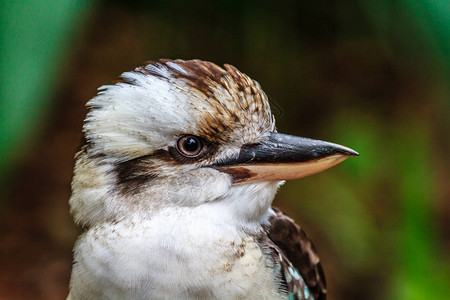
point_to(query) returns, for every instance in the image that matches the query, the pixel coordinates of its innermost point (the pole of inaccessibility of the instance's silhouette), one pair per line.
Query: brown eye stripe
(135, 173)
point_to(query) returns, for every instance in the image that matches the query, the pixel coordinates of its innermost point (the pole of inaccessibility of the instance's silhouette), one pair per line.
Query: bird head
(176, 133)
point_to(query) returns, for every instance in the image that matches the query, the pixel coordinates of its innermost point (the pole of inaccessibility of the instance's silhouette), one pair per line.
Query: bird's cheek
(199, 186)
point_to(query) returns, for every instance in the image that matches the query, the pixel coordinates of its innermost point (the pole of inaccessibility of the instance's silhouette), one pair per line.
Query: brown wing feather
(299, 250)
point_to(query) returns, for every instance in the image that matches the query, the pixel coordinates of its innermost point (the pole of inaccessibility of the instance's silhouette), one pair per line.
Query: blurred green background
(371, 75)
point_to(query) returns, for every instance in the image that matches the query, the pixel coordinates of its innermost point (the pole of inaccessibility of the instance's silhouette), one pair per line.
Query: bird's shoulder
(295, 257)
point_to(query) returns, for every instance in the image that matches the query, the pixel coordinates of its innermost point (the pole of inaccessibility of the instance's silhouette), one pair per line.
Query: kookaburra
(174, 188)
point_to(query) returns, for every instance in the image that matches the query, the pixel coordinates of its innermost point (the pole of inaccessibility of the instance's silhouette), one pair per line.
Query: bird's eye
(189, 145)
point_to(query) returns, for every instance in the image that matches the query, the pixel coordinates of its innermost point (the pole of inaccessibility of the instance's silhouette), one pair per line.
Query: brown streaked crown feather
(236, 99)
(295, 246)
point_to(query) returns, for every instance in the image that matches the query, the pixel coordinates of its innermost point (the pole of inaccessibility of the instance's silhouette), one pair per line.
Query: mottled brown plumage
(291, 243)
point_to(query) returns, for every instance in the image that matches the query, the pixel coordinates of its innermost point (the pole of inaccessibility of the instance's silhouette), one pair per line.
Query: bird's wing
(296, 256)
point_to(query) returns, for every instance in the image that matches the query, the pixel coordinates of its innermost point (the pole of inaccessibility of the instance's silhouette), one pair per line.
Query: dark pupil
(191, 145)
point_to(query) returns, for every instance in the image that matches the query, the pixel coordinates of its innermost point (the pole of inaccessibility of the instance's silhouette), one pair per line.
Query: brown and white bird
(174, 188)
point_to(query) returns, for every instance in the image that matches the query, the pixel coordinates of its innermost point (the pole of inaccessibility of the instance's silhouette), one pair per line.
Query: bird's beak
(283, 157)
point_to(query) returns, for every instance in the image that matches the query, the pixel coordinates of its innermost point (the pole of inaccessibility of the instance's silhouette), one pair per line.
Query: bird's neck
(243, 207)
(248, 205)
